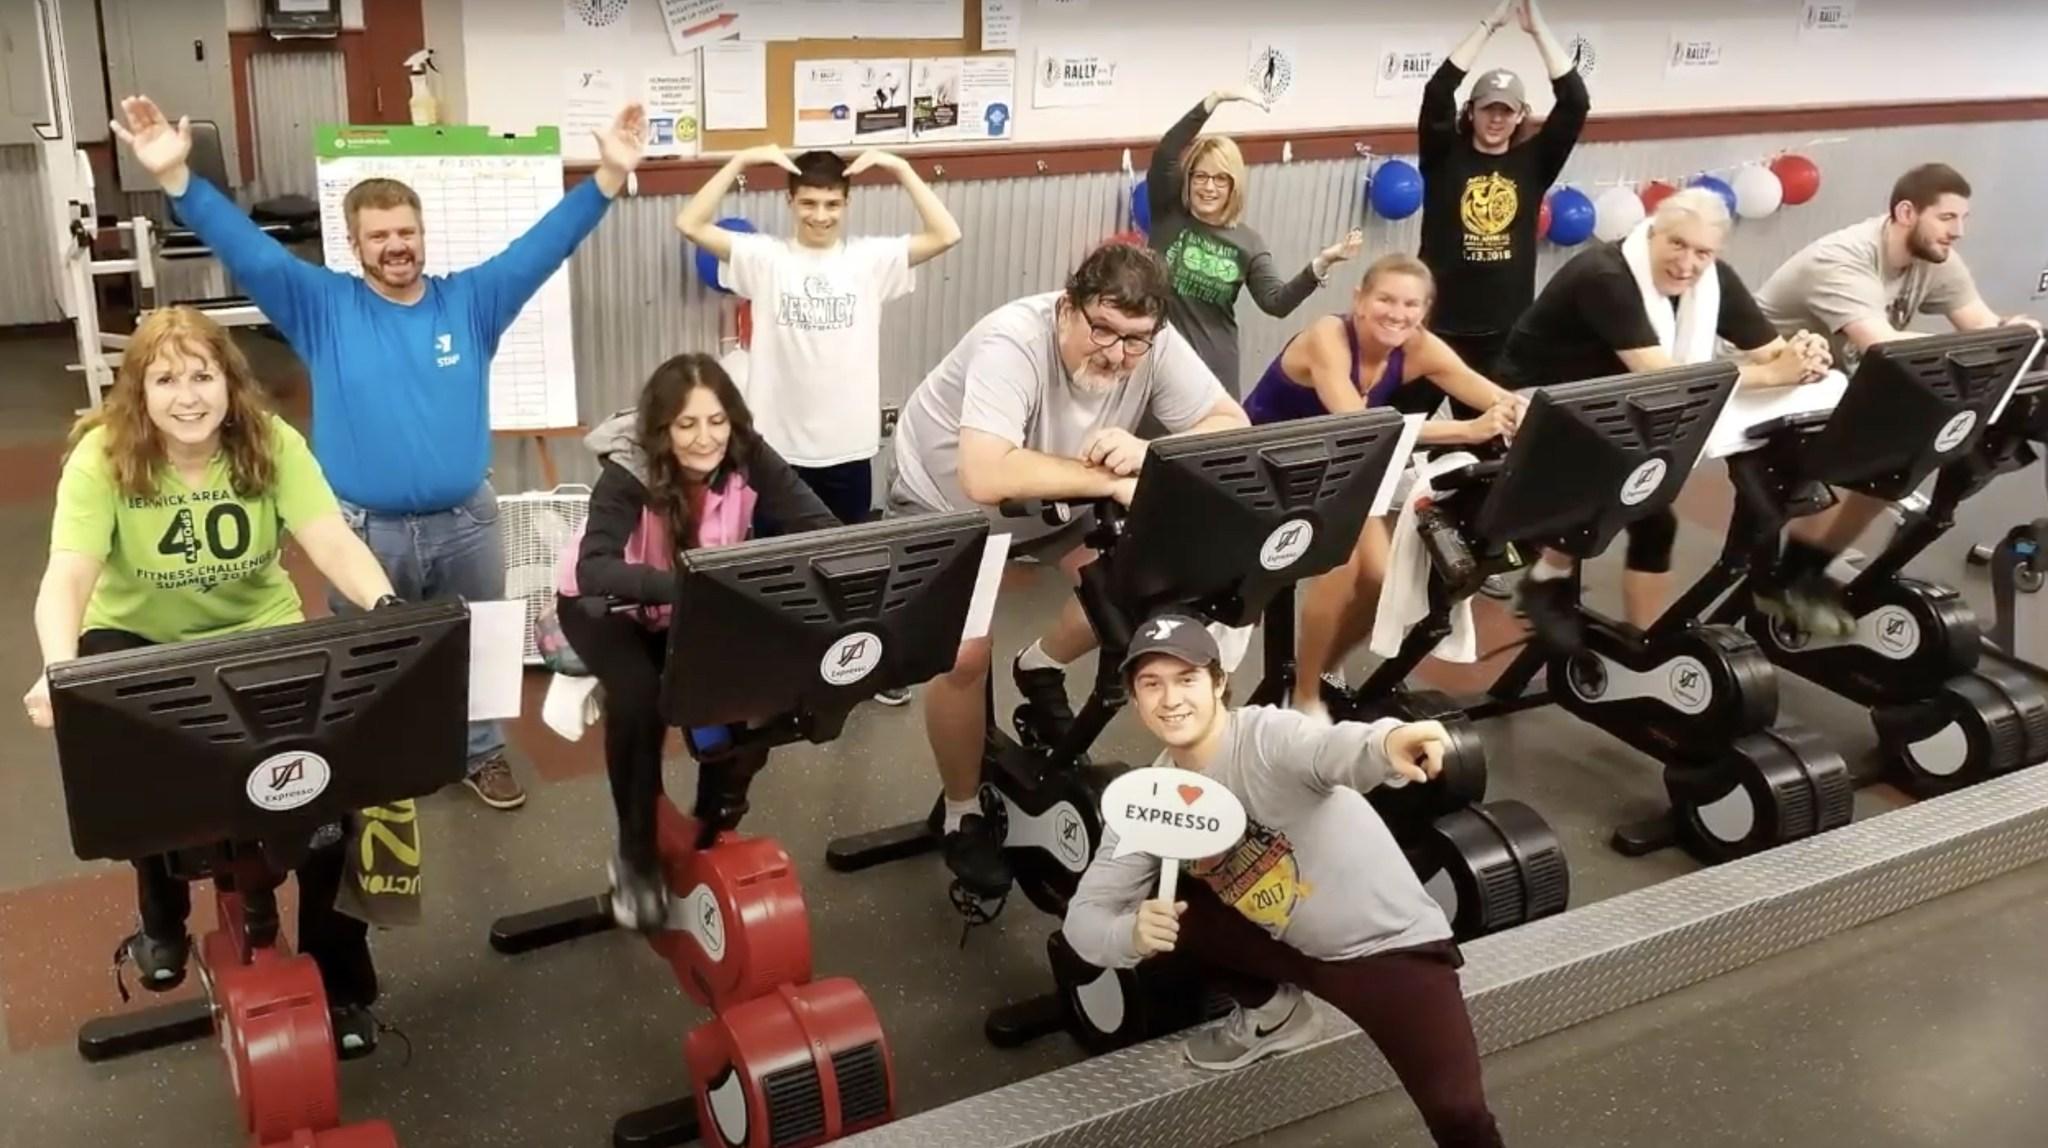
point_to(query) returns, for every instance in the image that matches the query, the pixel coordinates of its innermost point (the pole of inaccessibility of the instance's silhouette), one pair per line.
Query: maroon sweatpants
(1407, 1000)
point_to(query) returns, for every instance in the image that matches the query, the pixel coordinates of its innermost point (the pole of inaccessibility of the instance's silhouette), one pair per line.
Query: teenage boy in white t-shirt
(815, 371)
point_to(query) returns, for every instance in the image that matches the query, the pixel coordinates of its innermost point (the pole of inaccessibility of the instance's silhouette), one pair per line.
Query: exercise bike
(773, 643)
(256, 741)
(1590, 459)
(1950, 406)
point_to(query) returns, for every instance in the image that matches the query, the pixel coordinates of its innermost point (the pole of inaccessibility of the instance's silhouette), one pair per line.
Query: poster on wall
(1822, 21)
(590, 101)
(673, 119)
(857, 103)
(999, 24)
(694, 23)
(961, 98)
(1584, 44)
(735, 86)
(1405, 64)
(1694, 53)
(596, 20)
(1067, 78)
(1273, 68)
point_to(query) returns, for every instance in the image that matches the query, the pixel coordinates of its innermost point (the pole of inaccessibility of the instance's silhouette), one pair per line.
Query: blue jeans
(454, 553)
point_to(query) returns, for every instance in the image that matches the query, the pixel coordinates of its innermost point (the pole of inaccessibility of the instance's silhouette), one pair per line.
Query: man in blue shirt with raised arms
(400, 364)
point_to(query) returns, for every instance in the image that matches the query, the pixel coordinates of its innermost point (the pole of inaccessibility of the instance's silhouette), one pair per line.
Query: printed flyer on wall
(852, 102)
(962, 98)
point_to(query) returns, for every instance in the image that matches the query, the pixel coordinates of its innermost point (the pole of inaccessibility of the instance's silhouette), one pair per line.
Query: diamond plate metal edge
(1529, 982)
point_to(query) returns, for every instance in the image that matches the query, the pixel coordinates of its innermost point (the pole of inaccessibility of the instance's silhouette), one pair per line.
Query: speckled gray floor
(551, 1046)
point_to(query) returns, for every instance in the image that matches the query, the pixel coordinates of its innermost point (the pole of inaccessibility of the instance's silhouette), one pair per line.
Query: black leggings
(1408, 1001)
(626, 658)
(339, 944)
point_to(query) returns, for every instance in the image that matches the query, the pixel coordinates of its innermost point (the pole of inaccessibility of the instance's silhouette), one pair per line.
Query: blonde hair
(1399, 263)
(135, 447)
(1224, 151)
(1692, 203)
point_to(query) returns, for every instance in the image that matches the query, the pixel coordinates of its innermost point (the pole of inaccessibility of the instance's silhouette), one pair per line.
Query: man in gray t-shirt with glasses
(1858, 287)
(1040, 401)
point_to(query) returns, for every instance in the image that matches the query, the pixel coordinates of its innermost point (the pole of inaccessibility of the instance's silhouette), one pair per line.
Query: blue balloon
(707, 263)
(1571, 217)
(1141, 207)
(1395, 190)
(1718, 187)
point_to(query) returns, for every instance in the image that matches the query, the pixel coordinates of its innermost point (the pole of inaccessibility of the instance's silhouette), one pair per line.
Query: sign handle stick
(1169, 876)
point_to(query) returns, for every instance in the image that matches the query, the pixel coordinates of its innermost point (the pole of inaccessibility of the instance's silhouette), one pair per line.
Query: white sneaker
(1283, 1024)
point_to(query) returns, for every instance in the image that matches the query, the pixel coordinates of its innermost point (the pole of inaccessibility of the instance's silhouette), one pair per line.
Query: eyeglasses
(1106, 337)
(1203, 178)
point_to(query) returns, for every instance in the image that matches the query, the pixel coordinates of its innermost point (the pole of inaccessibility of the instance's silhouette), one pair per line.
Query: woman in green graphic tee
(171, 512)
(1196, 190)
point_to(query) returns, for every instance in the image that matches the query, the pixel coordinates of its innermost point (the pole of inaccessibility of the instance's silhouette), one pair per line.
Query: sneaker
(1551, 607)
(1811, 605)
(976, 857)
(1045, 692)
(159, 964)
(1496, 587)
(639, 899)
(1285, 1023)
(492, 781)
(895, 697)
(355, 1031)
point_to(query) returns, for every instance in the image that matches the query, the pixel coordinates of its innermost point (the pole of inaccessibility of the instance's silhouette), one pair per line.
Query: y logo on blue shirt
(444, 346)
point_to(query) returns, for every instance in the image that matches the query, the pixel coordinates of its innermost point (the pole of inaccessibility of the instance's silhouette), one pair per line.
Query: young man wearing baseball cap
(1484, 176)
(1315, 897)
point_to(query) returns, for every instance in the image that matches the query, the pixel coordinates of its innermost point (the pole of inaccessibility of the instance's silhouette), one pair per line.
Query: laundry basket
(535, 527)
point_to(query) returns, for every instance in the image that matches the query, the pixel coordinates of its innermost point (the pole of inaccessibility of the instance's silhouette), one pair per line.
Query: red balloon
(1543, 217)
(1656, 192)
(1800, 176)
(1131, 238)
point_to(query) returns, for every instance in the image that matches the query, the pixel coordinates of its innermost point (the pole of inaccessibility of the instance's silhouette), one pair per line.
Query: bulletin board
(782, 60)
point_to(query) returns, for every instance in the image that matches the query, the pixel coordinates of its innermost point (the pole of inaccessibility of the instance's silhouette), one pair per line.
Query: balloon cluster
(1756, 190)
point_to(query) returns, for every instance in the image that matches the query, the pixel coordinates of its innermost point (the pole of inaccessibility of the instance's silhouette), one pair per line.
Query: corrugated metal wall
(292, 93)
(637, 300)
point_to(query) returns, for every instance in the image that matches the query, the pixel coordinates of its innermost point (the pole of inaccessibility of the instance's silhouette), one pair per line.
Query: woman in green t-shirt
(171, 512)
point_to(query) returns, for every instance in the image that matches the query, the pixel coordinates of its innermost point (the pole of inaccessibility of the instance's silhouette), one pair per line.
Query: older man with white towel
(1658, 298)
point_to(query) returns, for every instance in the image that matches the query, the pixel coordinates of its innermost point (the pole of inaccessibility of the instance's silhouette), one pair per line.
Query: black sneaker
(1552, 609)
(1810, 604)
(160, 964)
(976, 857)
(355, 1031)
(1045, 695)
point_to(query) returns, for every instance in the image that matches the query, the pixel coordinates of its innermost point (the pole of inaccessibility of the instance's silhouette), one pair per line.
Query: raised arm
(940, 232)
(1567, 119)
(507, 280)
(282, 284)
(695, 219)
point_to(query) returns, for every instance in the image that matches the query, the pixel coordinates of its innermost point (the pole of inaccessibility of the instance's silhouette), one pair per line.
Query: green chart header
(340, 141)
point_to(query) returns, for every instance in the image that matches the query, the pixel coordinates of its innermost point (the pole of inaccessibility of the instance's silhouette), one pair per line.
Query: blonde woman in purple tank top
(1346, 363)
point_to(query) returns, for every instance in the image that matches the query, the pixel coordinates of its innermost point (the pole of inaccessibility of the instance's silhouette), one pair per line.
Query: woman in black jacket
(682, 470)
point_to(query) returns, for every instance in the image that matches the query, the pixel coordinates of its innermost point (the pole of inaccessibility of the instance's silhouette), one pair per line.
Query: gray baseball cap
(1498, 86)
(1176, 635)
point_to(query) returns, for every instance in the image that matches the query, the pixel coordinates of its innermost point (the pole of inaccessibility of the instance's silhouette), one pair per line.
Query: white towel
(1404, 596)
(571, 706)
(1689, 336)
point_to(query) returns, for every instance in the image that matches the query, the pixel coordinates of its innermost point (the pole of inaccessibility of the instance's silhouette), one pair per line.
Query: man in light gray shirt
(1859, 287)
(1039, 401)
(1316, 896)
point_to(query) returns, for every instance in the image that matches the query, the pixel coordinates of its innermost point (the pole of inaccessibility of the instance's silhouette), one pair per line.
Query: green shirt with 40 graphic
(186, 562)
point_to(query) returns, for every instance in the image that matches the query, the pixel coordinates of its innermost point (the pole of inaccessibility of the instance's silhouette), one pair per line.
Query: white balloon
(1616, 213)
(1757, 191)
